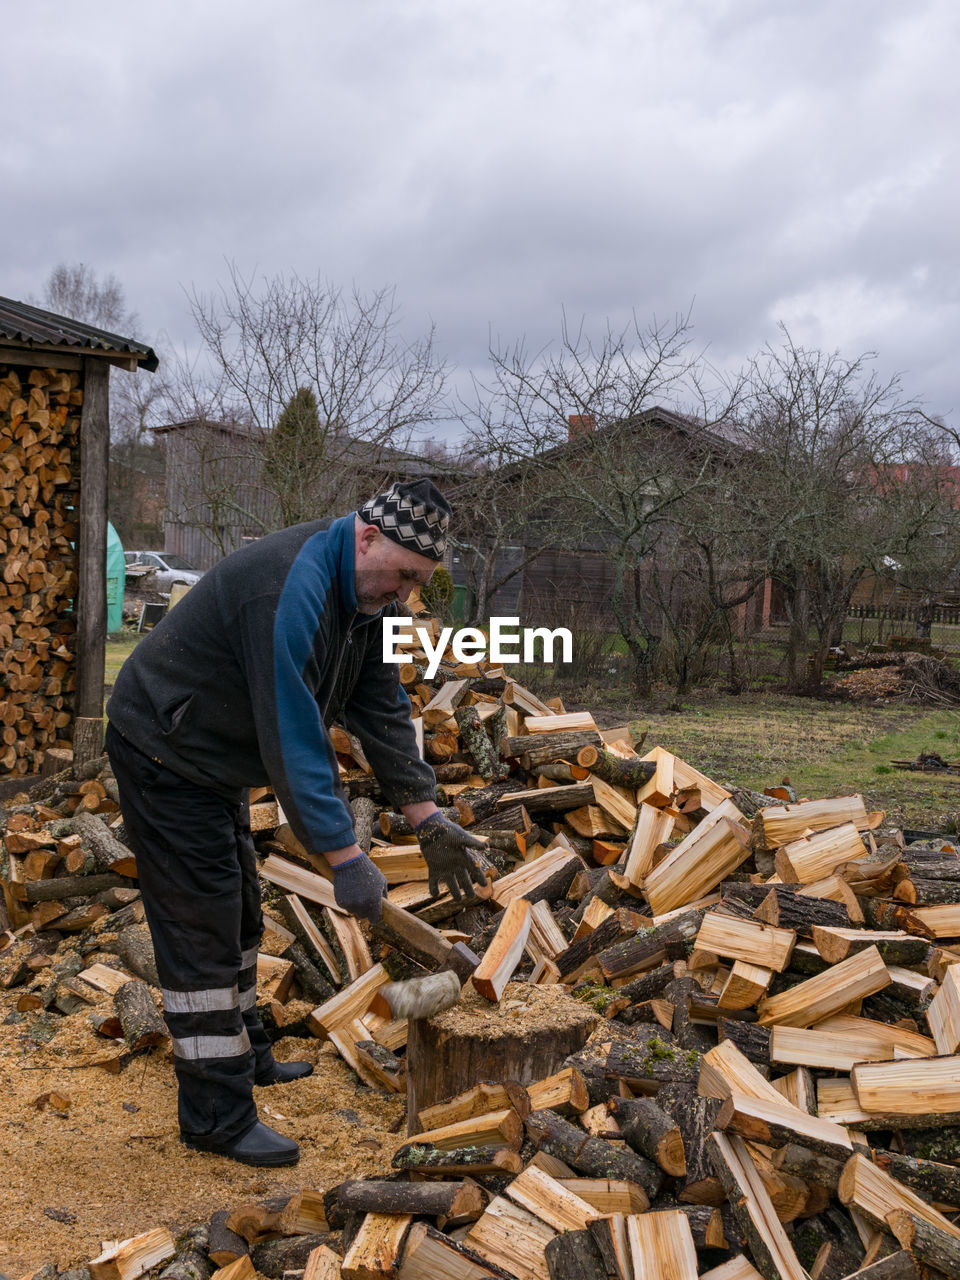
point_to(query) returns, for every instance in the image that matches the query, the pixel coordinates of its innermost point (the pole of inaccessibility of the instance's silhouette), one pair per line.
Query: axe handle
(423, 938)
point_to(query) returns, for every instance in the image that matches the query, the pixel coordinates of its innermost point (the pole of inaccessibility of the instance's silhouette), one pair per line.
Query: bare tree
(495, 508)
(75, 290)
(269, 343)
(135, 483)
(135, 492)
(826, 487)
(701, 580)
(630, 470)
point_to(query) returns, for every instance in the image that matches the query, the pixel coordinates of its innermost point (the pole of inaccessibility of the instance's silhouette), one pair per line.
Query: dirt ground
(106, 1163)
(110, 1165)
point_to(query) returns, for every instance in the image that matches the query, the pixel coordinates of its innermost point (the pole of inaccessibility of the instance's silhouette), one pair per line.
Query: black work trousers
(198, 875)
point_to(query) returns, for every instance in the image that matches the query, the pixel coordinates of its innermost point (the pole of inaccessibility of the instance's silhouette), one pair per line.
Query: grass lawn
(119, 647)
(825, 748)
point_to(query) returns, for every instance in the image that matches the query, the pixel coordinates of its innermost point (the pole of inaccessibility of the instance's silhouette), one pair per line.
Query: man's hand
(360, 887)
(445, 847)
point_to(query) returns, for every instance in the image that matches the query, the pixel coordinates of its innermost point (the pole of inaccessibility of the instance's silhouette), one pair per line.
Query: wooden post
(91, 604)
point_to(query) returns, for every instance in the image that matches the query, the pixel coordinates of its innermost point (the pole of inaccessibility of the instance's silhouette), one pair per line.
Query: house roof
(681, 423)
(22, 325)
(224, 426)
(384, 457)
(567, 450)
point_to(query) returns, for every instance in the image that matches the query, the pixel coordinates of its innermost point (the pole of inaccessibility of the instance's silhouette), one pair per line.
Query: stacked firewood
(39, 481)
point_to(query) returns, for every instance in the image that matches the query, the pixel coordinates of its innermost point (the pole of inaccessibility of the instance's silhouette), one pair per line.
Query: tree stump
(524, 1038)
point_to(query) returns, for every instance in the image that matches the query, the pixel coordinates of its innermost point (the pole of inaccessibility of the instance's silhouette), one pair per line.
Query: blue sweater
(238, 683)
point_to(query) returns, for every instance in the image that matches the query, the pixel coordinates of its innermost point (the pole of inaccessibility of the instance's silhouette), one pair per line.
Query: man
(235, 688)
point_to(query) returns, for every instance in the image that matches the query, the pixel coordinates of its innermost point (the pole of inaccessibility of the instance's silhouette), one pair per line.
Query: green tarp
(116, 580)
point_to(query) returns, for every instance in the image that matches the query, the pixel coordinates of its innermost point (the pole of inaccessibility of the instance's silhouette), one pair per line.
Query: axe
(452, 964)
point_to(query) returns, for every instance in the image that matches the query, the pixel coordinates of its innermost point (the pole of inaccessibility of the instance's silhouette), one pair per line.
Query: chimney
(580, 424)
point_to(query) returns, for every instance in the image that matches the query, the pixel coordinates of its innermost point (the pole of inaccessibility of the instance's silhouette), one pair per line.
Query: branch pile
(917, 678)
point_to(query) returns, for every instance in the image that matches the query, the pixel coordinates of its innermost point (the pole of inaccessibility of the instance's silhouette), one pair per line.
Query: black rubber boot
(284, 1072)
(260, 1145)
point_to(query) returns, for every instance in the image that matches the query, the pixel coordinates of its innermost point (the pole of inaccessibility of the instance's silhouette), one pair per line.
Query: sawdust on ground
(110, 1165)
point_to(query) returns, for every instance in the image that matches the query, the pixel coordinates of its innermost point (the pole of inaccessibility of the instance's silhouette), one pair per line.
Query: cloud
(499, 161)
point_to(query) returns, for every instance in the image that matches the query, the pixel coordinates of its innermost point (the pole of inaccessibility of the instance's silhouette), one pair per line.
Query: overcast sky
(765, 160)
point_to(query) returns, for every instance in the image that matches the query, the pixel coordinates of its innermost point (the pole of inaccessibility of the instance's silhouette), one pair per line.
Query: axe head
(462, 961)
(419, 997)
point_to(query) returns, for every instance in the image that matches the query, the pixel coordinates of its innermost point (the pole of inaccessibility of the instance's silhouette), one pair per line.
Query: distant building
(216, 499)
(580, 580)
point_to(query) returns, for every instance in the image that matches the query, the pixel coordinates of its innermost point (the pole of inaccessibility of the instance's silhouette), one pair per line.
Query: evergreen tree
(294, 460)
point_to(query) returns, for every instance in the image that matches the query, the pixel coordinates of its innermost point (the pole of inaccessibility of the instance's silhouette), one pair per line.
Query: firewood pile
(39, 482)
(764, 1001)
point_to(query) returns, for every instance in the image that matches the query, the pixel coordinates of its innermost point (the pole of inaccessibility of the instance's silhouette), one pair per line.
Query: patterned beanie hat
(412, 513)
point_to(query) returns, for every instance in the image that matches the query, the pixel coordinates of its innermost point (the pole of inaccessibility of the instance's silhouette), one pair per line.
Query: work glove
(360, 887)
(445, 847)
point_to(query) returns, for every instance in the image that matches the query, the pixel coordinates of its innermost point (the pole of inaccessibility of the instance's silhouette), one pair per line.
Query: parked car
(168, 566)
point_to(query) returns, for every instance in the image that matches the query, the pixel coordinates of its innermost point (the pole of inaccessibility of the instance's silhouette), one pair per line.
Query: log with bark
(271, 1258)
(926, 1242)
(647, 949)
(457, 1162)
(787, 908)
(895, 946)
(224, 1245)
(648, 1129)
(134, 946)
(769, 1244)
(575, 1255)
(477, 742)
(143, 1027)
(695, 1117)
(895, 1266)
(110, 855)
(875, 1194)
(453, 1203)
(592, 1157)
(641, 1056)
(533, 750)
(765, 1122)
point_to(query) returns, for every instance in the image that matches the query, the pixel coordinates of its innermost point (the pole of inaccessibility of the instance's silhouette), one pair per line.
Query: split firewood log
(134, 946)
(109, 853)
